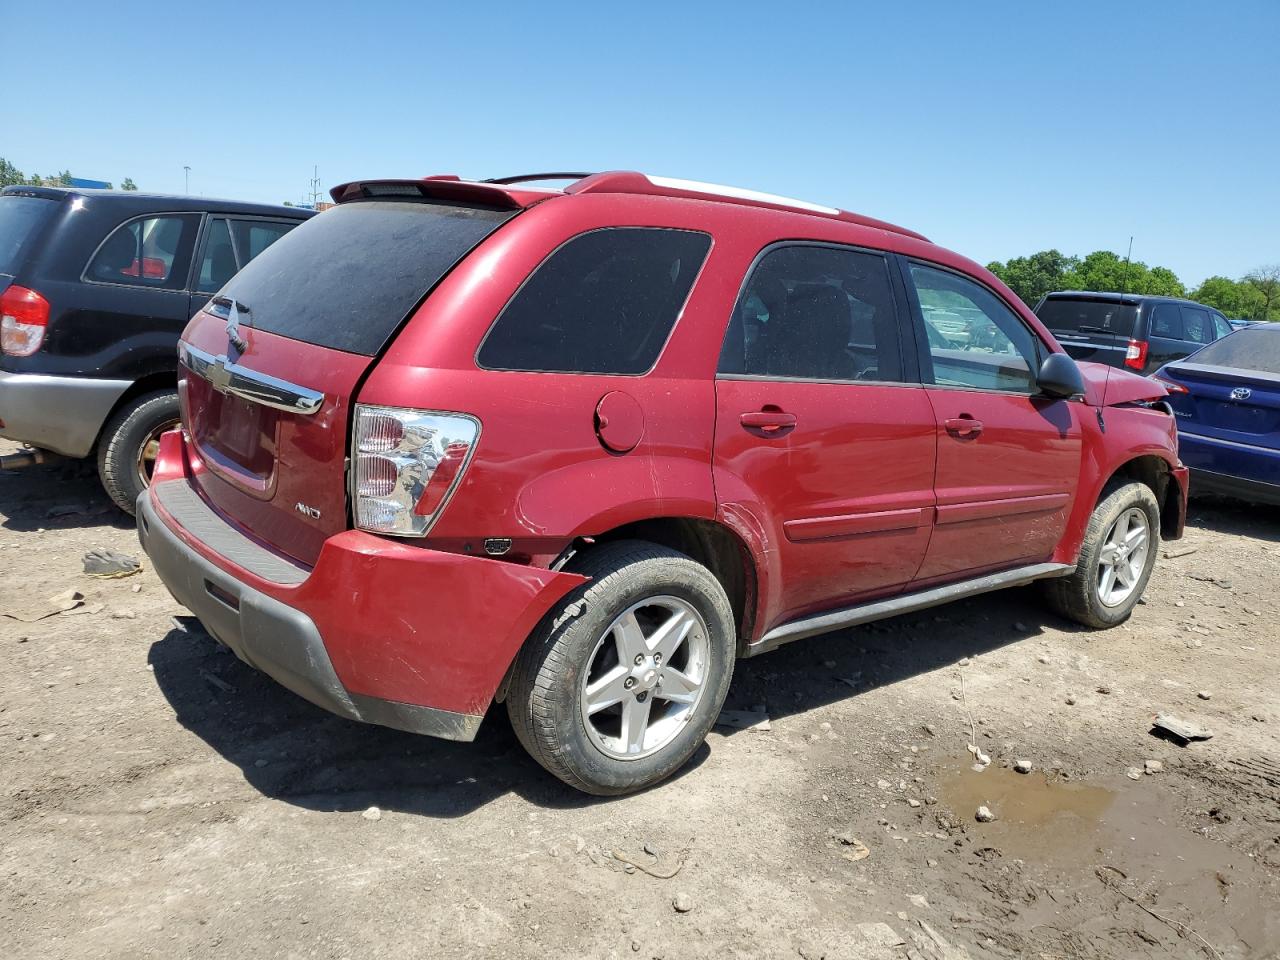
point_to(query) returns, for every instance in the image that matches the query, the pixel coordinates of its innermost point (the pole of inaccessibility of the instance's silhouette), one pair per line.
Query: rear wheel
(130, 440)
(616, 690)
(1116, 559)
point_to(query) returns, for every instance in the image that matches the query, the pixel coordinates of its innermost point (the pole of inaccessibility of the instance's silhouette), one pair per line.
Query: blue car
(1226, 398)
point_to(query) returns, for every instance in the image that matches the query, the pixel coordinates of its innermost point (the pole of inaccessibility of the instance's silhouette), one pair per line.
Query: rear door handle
(963, 426)
(769, 422)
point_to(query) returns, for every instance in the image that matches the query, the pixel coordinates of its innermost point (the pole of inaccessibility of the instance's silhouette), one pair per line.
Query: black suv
(1129, 330)
(95, 287)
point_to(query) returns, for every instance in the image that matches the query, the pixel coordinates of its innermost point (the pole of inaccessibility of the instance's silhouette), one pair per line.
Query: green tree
(1266, 281)
(128, 184)
(1163, 282)
(1104, 271)
(1034, 276)
(1235, 298)
(10, 175)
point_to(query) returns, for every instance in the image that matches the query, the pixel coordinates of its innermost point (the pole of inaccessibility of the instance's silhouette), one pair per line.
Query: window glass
(254, 236)
(1220, 326)
(1166, 321)
(1083, 316)
(218, 264)
(1251, 348)
(149, 252)
(1196, 326)
(975, 340)
(815, 313)
(20, 220)
(604, 302)
(321, 284)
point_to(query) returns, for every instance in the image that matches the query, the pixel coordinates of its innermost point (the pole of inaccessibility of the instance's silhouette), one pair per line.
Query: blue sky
(996, 128)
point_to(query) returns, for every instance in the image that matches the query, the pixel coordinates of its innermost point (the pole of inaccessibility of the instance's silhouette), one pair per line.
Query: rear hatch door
(1094, 330)
(271, 366)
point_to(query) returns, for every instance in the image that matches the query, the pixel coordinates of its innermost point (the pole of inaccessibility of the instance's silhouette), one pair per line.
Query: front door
(822, 447)
(1008, 459)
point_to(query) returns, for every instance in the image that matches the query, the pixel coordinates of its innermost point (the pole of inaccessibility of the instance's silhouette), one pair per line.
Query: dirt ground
(160, 799)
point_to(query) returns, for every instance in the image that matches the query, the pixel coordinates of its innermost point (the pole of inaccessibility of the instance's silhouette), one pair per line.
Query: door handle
(963, 426)
(771, 423)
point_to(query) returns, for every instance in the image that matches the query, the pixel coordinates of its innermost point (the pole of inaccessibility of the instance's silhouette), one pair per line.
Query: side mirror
(1060, 377)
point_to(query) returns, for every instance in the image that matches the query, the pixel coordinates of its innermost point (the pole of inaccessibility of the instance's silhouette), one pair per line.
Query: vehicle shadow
(1235, 517)
(293, 751)
(65, 495)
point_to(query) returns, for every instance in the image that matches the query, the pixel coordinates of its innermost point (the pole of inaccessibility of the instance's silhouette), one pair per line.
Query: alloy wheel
(645, 678)
(1123, 557)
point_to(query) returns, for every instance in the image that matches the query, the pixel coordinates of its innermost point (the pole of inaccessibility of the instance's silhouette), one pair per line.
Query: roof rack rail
(529, 177)
(628, 181)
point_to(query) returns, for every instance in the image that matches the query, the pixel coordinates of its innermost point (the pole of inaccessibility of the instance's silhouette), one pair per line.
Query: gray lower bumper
(275, 638)
(62, 414)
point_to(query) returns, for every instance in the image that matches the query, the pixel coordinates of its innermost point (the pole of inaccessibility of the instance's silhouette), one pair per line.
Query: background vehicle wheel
(127, 449)
(1119, 551)
(618, 687)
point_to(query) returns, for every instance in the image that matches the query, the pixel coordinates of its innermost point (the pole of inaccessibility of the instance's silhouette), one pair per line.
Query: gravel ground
(160, 799)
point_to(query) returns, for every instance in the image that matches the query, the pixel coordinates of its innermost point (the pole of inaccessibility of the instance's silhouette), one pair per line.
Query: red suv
(452, 443)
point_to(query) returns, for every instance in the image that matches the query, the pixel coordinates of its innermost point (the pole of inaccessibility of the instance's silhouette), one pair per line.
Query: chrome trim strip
(231, 378)
(906, 603)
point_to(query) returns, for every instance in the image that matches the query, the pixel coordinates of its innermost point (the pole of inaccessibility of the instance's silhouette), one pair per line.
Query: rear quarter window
(604, 302)
(20, 221)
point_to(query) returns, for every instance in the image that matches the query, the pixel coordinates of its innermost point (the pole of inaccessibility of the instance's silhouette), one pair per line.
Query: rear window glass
(604, 302)
(347, 278)
(1086, 317)
(1247, 349)
(19, 219)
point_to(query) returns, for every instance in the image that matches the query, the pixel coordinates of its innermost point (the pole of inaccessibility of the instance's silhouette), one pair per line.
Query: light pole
(186, 179)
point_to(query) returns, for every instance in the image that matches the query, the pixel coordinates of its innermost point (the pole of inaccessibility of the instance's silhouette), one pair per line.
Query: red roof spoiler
(446, 187)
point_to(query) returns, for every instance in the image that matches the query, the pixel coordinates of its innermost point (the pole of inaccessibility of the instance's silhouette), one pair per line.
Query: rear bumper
(62, 414)
(59, 414)
(379, 631)
(1209, 457)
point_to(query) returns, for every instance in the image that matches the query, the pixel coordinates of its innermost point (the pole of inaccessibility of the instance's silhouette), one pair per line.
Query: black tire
(543, 699)
(1077, 597)
(120, 448)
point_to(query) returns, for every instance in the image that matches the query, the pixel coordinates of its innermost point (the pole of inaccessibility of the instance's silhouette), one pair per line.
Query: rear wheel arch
(712, 544)
(150, 383)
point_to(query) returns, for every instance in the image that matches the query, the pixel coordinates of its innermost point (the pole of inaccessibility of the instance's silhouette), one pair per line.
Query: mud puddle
(1109, 856)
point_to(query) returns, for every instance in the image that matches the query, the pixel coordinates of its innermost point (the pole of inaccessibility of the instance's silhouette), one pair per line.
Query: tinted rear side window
(1247, 349)
(346, 279)
(604, 302)
(20, 218)
(1063, 315)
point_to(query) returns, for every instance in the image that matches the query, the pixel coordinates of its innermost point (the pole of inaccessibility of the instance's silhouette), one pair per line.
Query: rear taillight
(24, 317)
(1135, 357)
(405, 466)
(1172, 386)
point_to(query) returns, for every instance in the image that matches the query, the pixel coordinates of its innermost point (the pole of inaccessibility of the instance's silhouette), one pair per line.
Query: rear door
(1097, 330)
(1007, 459)
(271, 367)
(228, 244)
(822, 437)
(122, 314)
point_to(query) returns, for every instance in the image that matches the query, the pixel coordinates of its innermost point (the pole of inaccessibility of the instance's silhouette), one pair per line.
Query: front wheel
(127, 450)
(620, 686)
(1116, 559)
